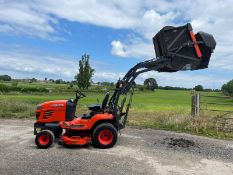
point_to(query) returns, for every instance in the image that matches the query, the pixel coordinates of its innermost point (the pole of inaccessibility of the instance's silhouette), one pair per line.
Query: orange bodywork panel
(85, 124)
(198, 51)
(52, 111)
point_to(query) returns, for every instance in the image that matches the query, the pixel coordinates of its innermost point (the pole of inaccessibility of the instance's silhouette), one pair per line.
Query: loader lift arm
(124, 86)
(176, 48)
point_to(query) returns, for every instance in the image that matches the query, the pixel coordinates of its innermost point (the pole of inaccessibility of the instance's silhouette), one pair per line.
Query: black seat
(100, 108)
(97, 108)
(87, 116)
(94, 107)
(105, 101)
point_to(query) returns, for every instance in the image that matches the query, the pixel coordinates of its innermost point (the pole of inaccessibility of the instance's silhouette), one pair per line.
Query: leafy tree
(199, 88)
(151, 84)
(33, 80)
(224, 89)
(5, 77)
(227, 89)
(85, 72)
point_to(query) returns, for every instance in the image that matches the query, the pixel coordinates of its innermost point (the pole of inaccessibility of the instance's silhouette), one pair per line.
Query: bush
(33, 80)
(14, 83)
(4, 88)
(59, 81)
(141, 88)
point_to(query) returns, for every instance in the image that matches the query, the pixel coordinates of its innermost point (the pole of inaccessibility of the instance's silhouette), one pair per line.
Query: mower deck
(75, 140)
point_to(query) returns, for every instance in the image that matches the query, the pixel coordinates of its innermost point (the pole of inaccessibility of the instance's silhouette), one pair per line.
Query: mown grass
(17, 105)
(161, 109)
(160, 100)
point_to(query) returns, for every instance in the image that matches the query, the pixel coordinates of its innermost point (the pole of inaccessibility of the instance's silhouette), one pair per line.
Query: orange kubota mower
(176, 48)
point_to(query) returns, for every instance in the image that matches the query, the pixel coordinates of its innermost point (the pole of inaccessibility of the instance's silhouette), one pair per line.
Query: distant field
(160, 109)
(176, 101)
(157, 101)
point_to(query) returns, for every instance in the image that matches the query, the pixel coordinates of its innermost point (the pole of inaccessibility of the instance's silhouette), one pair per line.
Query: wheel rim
(105, 137)
(44, 139)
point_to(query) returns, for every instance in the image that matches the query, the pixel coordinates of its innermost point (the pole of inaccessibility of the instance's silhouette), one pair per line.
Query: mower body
(54, 117)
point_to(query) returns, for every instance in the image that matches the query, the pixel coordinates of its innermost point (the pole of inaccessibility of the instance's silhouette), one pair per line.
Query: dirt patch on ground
(179, 142)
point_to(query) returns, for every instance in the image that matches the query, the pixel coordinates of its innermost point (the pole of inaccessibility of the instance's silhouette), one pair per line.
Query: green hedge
(6, 88)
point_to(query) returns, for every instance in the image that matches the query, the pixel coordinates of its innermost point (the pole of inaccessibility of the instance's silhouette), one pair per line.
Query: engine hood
(52, 104)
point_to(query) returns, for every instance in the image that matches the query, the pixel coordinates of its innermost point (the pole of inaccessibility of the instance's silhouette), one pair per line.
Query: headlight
(39, 107)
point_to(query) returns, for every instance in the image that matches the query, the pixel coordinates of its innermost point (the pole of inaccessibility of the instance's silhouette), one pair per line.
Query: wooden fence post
(195, 105)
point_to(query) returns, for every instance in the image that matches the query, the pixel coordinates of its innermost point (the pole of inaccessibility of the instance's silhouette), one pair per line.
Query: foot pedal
(60, 142)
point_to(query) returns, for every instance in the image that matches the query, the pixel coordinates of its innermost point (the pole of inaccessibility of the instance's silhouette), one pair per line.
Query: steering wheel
(79, 94)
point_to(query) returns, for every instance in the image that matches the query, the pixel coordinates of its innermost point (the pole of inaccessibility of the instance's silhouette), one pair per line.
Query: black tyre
(44, 139)
(104, 136)
(57, 132)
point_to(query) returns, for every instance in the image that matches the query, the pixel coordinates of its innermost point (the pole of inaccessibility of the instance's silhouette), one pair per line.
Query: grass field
(161, 109)
(157, 101)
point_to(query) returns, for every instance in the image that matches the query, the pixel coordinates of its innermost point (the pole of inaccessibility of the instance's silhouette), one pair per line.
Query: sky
(46, 38)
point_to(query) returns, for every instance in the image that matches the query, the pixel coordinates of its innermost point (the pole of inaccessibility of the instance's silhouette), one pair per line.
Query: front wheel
(44, 139)
(104, 136)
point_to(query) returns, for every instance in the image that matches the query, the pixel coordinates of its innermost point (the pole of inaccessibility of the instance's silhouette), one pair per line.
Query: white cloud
(131, 49)
(27, 63)
(108, 76)
(23, 17)
(41, 18)
(33, 64)
(117, 49)
(115, 14)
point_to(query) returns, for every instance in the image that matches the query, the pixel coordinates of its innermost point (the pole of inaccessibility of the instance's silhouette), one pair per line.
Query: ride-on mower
(176, 48)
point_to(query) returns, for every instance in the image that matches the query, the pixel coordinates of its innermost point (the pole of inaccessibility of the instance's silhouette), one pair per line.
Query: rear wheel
(44, 139)
(104, 136)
